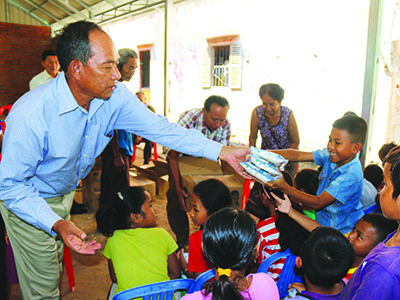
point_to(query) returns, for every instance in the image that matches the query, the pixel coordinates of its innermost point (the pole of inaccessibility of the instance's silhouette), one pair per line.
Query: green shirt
(139, 256)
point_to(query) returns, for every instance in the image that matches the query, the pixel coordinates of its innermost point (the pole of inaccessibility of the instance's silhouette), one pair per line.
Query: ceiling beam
(28, 12)
(63, 9)
(71, 8)
(81, 3)
(124, 10)
(43, 11)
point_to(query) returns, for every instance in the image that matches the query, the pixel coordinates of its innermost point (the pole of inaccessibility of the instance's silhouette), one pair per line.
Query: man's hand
(235, 155)
(119, 163)
(182, 196)
(73, 237)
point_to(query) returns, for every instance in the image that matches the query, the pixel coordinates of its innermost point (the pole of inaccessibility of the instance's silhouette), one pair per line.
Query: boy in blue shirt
(338, 197)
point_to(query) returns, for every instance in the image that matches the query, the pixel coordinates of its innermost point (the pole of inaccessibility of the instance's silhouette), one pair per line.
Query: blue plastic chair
(202, 279)
(287, 275)
(161, 290)
(373, 208)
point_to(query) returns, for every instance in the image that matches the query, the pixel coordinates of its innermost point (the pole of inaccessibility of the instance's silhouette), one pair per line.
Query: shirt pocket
(104, 140)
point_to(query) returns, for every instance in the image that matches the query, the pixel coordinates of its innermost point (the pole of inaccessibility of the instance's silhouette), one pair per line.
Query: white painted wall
(315, 49)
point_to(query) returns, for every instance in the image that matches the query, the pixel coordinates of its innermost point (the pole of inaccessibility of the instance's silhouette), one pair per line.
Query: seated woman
(276, 123)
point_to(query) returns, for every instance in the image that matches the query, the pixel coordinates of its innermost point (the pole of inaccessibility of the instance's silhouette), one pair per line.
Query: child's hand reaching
(279, 184)
(282, 205)
(298, 286)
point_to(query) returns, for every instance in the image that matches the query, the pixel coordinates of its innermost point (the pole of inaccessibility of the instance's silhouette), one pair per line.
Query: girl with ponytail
(229, 242)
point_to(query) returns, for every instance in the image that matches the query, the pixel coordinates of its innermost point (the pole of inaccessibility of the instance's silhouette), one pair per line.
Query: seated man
(211, 121)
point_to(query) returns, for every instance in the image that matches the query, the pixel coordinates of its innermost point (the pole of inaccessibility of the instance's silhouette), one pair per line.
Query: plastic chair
(68, 267)
(161, 290)
(202, 279)
(246, 192)
(373, 208)
(154, 152)
(5, 108)
(287, 275)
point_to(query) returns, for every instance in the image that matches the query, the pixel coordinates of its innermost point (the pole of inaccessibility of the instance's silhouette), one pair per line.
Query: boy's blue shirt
(345, 185)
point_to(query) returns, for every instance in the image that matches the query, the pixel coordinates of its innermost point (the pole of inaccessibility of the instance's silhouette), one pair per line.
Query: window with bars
(222, 63)
(220, 74)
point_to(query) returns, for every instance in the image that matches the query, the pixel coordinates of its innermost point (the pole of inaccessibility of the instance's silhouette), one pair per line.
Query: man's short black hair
(326, 256)
(221, 101)
(354, 125)
(74, 43)
(46, 53)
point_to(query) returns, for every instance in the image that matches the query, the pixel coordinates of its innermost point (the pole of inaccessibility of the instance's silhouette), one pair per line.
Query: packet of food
(258, 173)
(275, 159)
(264, 165)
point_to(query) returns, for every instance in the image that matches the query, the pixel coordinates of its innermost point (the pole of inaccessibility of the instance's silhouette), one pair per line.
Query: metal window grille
(221, 66)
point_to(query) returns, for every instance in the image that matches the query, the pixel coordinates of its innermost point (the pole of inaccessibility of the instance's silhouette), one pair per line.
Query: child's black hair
(354, 125)
(374, 174)
(307, 179)
(385, 149)
(382, 226)
(213, 194)
(254, 204)
(326, 256)
(229, 240)
(274, 90)
(291, 234)
(116, 217)
(393, 158)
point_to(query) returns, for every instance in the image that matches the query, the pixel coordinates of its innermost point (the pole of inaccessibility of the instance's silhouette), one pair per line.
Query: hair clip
(226, 272)
(120, 196)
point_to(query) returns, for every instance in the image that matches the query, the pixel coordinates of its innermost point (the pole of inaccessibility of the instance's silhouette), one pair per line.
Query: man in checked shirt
(212, 122)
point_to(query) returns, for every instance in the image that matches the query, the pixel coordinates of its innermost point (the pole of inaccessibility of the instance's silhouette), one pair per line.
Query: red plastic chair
(68, 268)
(5, 108)
(154, 152)
(246, 192)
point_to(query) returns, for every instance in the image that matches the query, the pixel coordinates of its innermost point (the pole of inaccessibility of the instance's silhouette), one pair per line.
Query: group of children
(342, 254)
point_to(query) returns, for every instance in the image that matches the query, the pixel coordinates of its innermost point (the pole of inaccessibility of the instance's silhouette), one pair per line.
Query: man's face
(99, 76)
(128, 69)
(215, 117)
(51, 65)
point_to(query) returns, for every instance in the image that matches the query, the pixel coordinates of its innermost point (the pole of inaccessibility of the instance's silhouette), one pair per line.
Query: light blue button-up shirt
(51, 143)
(345, 185)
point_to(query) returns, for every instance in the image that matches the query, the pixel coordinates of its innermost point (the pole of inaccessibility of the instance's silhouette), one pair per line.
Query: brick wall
(21, 47)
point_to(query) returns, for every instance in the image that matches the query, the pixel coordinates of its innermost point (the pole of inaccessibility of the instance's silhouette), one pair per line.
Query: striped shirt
(193, 118)
(268, 244)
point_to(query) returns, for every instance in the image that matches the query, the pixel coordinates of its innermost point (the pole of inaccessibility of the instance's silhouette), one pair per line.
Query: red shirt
(197, 260)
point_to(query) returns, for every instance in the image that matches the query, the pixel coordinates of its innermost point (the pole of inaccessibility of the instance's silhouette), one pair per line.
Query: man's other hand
(73, 237)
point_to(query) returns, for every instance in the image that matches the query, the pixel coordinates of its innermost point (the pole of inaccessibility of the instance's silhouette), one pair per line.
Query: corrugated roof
(58, 13)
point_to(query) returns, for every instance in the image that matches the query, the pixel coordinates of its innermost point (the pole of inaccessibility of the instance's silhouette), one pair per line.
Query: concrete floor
(91, 271)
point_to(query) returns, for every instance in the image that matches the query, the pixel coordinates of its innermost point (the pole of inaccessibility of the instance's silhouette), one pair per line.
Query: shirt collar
(68, 102)
(347, 166)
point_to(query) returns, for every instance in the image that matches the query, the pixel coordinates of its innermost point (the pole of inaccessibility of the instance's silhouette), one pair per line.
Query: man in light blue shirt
(54, 133)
